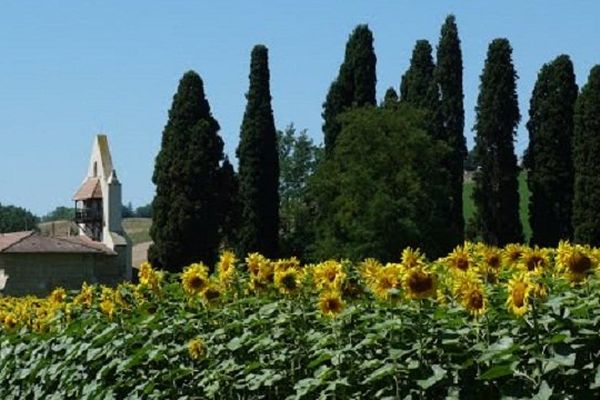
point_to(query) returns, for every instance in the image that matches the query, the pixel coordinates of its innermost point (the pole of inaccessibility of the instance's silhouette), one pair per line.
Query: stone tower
(98, 205)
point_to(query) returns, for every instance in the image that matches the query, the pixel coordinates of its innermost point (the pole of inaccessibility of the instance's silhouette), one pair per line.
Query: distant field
(469, 207)
(138, 229)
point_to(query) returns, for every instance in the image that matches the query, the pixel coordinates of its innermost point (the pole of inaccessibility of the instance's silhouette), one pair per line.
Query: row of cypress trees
(563, 174)
(200, 202)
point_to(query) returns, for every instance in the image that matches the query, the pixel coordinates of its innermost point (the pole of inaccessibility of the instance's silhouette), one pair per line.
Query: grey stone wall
(39, 274)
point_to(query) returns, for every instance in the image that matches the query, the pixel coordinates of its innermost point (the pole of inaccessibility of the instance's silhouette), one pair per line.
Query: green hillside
(469, 207)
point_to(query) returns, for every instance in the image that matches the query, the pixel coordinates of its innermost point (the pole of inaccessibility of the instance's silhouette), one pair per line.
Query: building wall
(39, 273)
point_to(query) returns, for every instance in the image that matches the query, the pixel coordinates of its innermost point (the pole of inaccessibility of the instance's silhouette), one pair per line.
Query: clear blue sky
(71, 69)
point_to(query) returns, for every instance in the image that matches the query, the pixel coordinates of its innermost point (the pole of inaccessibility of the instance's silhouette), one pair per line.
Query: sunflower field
(482, 323)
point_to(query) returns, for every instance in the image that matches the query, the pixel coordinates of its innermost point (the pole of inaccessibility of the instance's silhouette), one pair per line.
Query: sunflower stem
(536, 329)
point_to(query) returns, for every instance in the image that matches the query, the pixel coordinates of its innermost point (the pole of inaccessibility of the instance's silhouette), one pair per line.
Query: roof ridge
(30, 233)
(66, 239)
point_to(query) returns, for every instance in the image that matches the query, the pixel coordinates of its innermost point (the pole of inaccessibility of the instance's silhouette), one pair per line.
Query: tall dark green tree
(586, 161)
(419, 89)
(229, 205)
(549, 156)
(355, 84)
(390, 100)
(496, 192)
(259, 164)
(449, 78)
(185, 222)
(415, 85)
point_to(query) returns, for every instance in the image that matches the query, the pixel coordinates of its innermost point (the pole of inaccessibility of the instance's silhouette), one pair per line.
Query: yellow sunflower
(108, 308)
(534, 259)
(331, 303)
(519, 290)
(369, 269)
(419, 283)
(149, 277)
(288, 281)
(472, 297)
(85, 297)
(196, 348)
(329, 275)
(491, 262)
(388, 277)
(58, 296)
(226, 267)
(512, 254)
(460, 259)
(575, 261)
(195, 279)
(211, 294)
(412, 258)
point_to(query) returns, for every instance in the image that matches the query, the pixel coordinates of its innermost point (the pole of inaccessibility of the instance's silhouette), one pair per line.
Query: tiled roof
(8, 239)
(89, 190)
(30, 242)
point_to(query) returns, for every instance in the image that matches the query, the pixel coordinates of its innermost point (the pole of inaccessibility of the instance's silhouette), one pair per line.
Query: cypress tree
(229, 204)
(449, 78)
(416, 83)
(549, 155)
(496, 193)
(185, 222)
(355, 84)
(390, 100)
(259, 164)
(586, 161)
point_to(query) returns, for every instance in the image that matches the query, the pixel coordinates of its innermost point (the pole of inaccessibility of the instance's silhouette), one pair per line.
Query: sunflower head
(369, 269)
(472, 297)
(226, 266)
(329, 275)
(519, 291)
(331, 303)
(575, 261)
(195, 279)
(412, 258)
(419, 283)
(534, 259)
(387, 279)
(288, 281)
(459, 259)
(512, 253)
(108, 308)
(211, 294)
(57, 296)
(196, 348)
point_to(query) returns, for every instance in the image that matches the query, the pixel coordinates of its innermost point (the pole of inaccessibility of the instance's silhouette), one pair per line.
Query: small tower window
(95, 169)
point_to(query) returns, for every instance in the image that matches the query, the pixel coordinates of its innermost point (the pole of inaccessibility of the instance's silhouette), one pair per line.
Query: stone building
(100, 253)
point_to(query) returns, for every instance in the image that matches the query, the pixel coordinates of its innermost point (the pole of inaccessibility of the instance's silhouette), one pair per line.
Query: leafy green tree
(298, 159)
(586, 148)
(549, 156)
(60, 213)
(448, 76)
(259, 164)
(15, 219)
(377, 193)
(185, 218)
(496, 192)
(355, 85)
(127, 210)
